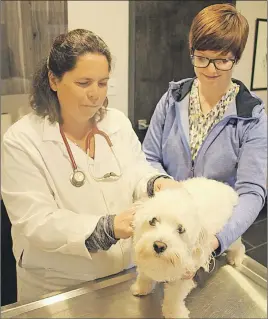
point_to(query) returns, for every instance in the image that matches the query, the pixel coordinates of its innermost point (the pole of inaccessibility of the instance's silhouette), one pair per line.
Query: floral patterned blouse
(200, 124)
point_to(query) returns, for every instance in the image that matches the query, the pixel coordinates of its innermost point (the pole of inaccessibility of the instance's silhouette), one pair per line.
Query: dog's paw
(142, 289)
(236, 257)
(178, 313)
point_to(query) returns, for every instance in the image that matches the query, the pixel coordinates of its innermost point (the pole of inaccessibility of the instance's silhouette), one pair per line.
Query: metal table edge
(250, 268)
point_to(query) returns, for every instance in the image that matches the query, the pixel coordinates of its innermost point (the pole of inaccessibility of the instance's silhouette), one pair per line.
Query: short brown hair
(65, 51)
(219, 27)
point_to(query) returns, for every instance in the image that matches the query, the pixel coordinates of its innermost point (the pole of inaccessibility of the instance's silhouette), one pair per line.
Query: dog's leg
(143, 285)
(236, 253)
(174, 295)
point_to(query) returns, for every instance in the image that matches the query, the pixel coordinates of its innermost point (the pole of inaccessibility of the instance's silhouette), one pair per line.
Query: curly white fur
(173, 235)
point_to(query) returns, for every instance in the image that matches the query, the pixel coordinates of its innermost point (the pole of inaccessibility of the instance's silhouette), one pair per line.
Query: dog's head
(169, 238)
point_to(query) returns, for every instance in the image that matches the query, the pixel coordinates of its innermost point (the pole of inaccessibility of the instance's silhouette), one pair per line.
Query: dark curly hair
(65, 51)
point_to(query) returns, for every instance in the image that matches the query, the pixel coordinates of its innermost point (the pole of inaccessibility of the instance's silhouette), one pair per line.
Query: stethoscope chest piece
(77, 178)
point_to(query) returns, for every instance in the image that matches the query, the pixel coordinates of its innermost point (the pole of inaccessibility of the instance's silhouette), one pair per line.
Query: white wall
(251, 10)
(108, 19)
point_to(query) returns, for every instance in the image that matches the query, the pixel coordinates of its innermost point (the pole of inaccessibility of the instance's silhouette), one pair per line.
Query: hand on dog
(123, 224)
(165, 183)
(214, 245)
(188, 275)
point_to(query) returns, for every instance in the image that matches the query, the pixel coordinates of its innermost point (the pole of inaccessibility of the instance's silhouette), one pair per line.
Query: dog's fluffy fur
(173, 235)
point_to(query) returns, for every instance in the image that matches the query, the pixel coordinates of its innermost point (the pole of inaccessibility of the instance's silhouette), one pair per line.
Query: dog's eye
(181, 229)
(153, 221)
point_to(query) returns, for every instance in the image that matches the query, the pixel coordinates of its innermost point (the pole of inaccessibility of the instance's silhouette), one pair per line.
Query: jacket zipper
(226, 119)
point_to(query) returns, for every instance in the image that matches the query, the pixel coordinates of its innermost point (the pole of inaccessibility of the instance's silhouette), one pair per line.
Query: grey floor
(255, 238)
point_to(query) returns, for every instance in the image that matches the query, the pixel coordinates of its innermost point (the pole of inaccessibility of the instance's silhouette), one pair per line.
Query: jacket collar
(51, 131)
(245, 102)
(108, 124)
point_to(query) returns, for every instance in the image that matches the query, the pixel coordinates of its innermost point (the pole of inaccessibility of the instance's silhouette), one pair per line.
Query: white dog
(173, 236)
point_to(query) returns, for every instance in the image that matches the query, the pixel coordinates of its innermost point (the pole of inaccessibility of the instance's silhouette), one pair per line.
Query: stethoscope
(78, 177)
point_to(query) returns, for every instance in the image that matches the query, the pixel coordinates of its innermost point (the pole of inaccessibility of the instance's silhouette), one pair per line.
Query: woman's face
(211, 77)
(82, 91)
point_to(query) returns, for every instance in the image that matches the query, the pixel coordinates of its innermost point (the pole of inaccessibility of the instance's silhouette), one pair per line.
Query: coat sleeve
(32, 209)
(152, 144)
(142, 170)
(250, 185)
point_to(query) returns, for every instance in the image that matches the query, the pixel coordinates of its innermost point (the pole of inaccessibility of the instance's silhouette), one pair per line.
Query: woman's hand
(214, 245)
(188, 275)
(123, 224)
(165, 183)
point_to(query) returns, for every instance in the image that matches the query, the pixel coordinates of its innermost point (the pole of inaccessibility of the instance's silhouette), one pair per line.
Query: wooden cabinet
(28, 29)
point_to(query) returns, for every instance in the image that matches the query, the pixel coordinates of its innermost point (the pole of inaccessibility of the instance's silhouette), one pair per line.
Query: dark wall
(8, 263)
(158, 50)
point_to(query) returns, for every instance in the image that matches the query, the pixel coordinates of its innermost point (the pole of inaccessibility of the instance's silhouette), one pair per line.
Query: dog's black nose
(159, 246)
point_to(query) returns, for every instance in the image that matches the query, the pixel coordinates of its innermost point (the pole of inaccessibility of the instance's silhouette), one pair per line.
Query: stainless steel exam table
(226, 293)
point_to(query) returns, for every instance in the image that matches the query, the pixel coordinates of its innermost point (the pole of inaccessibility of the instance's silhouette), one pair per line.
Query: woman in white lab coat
(71, 170)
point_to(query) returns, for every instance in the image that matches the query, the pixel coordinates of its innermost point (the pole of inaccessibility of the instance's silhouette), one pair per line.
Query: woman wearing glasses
(212, 125)
(70, 172)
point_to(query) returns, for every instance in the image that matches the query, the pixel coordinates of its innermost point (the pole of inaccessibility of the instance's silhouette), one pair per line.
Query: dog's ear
(202, 249)
(141, 214)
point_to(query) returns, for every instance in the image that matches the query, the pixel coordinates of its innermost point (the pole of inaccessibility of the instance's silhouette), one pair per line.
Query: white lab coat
(50, 217)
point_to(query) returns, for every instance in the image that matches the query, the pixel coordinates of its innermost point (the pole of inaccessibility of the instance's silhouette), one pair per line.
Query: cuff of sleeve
(109, 229)
(140, 189)
(220, 249)
(150, 184)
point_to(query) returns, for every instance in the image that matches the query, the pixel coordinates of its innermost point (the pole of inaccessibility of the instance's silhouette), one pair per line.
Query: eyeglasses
(220, 64)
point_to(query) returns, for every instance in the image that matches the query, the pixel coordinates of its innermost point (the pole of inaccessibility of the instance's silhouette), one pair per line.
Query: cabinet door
(27, 41)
